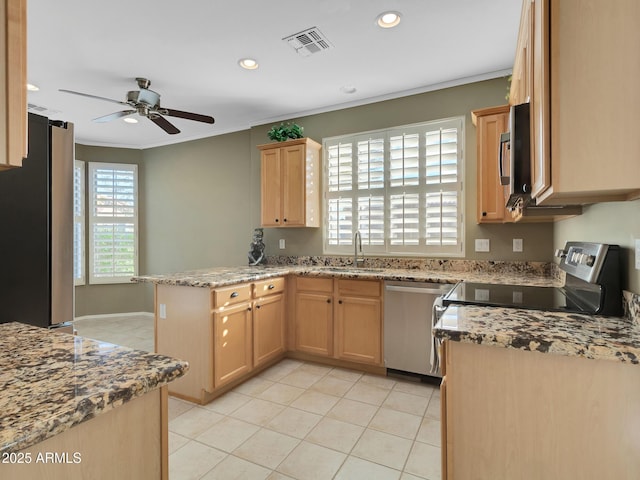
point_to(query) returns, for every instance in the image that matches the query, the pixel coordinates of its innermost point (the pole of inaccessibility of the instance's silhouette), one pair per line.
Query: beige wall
(114, 298)
(538, 243)
(199, 200)
(615, 223)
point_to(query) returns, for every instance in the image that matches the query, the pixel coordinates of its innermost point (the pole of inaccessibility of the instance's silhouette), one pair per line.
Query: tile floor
(297, 420)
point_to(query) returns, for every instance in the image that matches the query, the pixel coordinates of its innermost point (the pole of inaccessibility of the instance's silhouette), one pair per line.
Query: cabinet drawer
(365, 288)
(314, 284)
(268, 287)
(231, 295)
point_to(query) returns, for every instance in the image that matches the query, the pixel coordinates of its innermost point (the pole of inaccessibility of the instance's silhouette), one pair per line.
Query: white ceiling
(189, 50)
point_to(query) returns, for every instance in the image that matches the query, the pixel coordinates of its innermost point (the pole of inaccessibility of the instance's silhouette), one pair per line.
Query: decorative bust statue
(256, 254)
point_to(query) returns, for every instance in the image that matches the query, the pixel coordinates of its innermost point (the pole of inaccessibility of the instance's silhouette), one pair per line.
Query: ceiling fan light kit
(146, 103)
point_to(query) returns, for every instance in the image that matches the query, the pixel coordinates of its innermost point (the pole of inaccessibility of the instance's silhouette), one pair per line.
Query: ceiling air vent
(308, 42)
(40, 110)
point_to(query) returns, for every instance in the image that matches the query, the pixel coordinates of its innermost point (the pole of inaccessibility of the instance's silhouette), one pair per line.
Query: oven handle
(423, 290)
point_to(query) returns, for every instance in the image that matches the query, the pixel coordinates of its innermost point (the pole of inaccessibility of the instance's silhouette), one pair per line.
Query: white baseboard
(112, 315)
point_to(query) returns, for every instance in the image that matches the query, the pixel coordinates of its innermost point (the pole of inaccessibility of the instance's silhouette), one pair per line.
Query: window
(401, 188)
(78, 223)
(113, 222)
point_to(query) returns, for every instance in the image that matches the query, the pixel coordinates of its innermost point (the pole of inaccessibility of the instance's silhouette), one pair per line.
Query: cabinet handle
(257, 306)
(249, 308)
(277, 220)
(484, 214)
(340, 302)
(234, 295)
(285, 220)
(328, 300)
(271, 287)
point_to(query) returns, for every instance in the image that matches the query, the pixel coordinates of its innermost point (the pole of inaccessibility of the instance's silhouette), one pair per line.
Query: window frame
(93, 219)
(387, 249)
(79, 222)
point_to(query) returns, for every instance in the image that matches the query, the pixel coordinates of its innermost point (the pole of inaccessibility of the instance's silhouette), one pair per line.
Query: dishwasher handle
(423, 290)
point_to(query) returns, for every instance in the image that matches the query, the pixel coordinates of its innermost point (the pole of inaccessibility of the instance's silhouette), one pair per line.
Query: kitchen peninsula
(232, 322)
(76, 408)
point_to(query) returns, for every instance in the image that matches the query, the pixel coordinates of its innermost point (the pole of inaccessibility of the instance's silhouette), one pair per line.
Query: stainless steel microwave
(514, 162)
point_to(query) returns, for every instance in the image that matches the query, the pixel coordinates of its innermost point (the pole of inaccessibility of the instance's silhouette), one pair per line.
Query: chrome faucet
(357, 242)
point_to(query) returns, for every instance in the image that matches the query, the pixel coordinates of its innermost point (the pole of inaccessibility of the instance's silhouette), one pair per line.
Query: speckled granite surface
(50, 382)
(222, 276)
(595, 337)
(631, 304)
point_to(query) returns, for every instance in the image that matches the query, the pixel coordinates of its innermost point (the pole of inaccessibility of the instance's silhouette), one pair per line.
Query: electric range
(592, 285)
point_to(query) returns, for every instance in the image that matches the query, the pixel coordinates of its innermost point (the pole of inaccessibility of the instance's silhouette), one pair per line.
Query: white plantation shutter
(113, 222)
(78, 222)
(401, 188)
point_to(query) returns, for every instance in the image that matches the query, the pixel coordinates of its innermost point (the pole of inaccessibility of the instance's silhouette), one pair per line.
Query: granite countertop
(570, 334)
(223, 276)
(50, 382)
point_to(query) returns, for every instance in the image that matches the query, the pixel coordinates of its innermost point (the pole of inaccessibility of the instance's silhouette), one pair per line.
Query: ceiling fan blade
(164, 124)
(188, 115)
(93, 96)
(113, 116)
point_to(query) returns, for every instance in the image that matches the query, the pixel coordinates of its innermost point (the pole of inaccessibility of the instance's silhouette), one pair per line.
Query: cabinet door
(540, 100)
(491, 194)
(520, 91)
(270, 197)
(359, 330)
(13, 78)
(314, 323)
(293, 185)
(268, 328)
(233, 356)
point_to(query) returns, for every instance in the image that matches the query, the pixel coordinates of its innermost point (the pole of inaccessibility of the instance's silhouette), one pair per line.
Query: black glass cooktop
(512, 296)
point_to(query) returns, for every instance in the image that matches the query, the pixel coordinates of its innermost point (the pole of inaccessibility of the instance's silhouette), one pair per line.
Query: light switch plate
(162, 310)
(482, 245)
(637, 254)
(517, 245)
(282, 244)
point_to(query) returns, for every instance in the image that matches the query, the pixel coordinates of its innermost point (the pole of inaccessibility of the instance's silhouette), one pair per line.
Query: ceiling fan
(146, 102)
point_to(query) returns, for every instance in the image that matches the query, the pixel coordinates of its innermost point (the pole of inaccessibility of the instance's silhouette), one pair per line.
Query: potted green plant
(285, 131)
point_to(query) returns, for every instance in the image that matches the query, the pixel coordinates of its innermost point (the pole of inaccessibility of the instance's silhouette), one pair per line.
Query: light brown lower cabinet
(226, 334)
(510, 414)
(339, 318)
(268, 329)
(232, 343)
(314, 316)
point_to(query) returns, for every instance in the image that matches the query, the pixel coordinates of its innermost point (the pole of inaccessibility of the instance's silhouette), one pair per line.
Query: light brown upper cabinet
(290, 183)
(13, 83)
(584, 99)
(492, 196)
(521, 77)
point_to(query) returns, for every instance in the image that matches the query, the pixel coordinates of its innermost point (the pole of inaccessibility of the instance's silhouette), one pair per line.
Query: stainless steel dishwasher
(408, 310)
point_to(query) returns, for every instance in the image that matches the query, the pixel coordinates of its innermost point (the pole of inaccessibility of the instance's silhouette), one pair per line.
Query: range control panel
(584, 260)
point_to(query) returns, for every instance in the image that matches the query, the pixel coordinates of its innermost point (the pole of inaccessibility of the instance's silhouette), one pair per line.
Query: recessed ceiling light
(388, 19)
(32, 88)
(131, 120)
(348, 89)
(248, 63)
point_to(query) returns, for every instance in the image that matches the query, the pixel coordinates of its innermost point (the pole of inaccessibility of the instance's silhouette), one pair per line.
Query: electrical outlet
(517, 245)
(162, 313)
(281, 243)
(482, 245)
(637, 254)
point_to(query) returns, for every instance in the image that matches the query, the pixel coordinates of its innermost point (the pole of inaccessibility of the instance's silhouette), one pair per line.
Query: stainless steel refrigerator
(36, 229)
